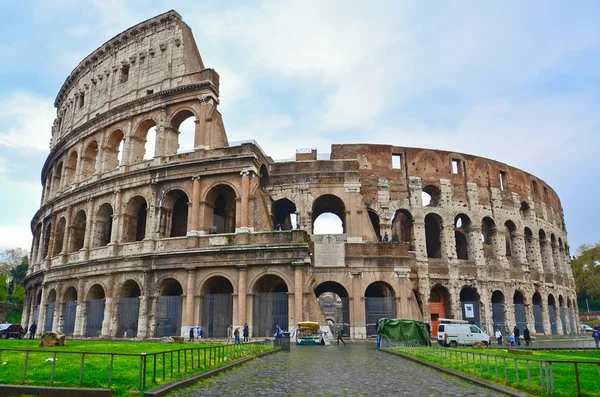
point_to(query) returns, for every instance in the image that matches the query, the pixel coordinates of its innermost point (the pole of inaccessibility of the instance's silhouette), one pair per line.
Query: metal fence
(95, 316)
(129, 313)
(49, 317)
(531, 374)
(168, 315)
(270, 310)
(217, 314)
(152, 368)
(69, 318)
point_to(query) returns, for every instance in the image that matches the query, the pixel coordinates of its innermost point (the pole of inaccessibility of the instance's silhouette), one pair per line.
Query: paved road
(355, 370)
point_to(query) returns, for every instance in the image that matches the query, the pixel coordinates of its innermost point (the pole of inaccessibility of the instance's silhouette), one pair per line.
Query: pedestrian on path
(339, 336)
(236, 334)
(517, 336)
(278, 335)
(199, 334)
(246, 332)
(32, 330)
(499, 336)
(229, 333)
(596, 335)
(527, 336)
(191, 334)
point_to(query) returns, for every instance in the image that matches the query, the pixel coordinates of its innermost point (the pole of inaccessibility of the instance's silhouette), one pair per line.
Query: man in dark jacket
(527, 336)
(246, 332)
(32, 330)
(517, 335)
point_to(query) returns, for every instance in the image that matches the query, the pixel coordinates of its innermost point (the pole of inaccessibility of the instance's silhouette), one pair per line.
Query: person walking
(340, 333)
(32, 330)
(527, 336)
(278, 335)
(246, 332)
(517, 335)
(199, 334)
(596, 335)
(229, 333)
(191, 334)
(499, 336)
(236, 335)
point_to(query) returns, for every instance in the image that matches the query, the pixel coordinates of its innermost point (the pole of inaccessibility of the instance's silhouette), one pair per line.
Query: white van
(459, 332)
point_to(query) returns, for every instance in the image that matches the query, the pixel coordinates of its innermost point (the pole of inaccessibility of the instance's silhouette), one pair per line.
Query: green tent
(403, 330)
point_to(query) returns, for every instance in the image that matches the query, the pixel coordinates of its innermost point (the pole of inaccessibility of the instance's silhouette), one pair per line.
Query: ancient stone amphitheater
(137, 238)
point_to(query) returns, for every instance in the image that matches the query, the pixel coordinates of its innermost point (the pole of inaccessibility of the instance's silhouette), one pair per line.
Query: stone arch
(95, 302)
(217, 305)
(434, 235)
(462, 235)
(89, 160)
(264, 176)
(333, 298)
(270, 307)
(113, 151)
(552, 314)
(402, 227)
(380, 302)
(538, 316)
(70, 310)
(489, 234)
(58, 176)
(183, 131)
(174, 214)
(331, 204)
(168, 307)
(499, 312)
(374, 218)
(129, 309)
(103, 226)
(50, 310)
(220, 216)
(525, 210)
(439, 306)
(470, 304)
(77, 237)
(59, 236)
(510, 231)
(71, 168)
(141, 147)
(561, 312)
(46, 242)
(134, 219)
(283, 212)
(431, 196)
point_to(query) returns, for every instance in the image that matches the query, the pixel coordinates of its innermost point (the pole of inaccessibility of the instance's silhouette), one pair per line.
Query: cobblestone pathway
(355, 370)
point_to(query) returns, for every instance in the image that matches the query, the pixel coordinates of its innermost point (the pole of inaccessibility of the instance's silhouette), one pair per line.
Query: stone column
(195, 205)
(116, 225)
(143, 318)
(25, 314)
(81, 311)
(245, 213)
(404, 294)
(87, 238)
(58, 309)
(67, 236)
(42, 318)
(242, 291)
(359, 329)
(108, 304)
(298, 283)
(189, 300)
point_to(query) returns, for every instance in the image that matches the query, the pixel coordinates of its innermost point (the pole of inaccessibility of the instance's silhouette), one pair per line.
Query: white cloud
(26, 121)
(15, 237)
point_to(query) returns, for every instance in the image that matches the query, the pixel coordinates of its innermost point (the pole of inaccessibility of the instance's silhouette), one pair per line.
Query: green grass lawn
(174, 361)
(516, 375)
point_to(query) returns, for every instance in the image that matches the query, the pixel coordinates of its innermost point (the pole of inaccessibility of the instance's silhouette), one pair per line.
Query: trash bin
(285, 342)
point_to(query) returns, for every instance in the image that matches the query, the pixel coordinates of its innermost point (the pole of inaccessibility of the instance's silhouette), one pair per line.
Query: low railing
(94, 366)
(535, 375)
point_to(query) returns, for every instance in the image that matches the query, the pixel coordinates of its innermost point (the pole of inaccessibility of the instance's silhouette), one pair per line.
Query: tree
(13, 269)
(3, 288)
(19, 295)
(586, 271)
(11, 258)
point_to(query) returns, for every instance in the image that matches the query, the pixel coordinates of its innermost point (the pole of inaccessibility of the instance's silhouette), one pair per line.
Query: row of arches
(106, 152)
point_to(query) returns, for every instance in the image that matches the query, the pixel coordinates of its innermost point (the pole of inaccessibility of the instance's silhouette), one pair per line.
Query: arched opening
(264, 176)
(402, 227)
(374, 218)
(217, 306)
(552, 314)
(525, 210)
(50, 308)
(510, 231)
(462, 231)
(224, 208)
(185, 124)
(129, 310)
(529, 247)
(113, 152)
(439, 306)
(538, 316)
(520, 316)
(380, 302)
(545, 252)
(58, 177)
(498, 312)
(325, 210)
(563, 317)
(59, 236)
(168, 308)
(430, 196)
(103, 226)
(283, 212)
(143, 143)
(433, 235)
(48, 187)
(555, 254)
(488, 237)
(469, 302)
(95, 311)
(174, 215)
(89, 161)
(70, 169)
(47, 233)
(561, 250)
(333, 299)
(70, 310)
(134, 220)
(78, 231)
(270, 305)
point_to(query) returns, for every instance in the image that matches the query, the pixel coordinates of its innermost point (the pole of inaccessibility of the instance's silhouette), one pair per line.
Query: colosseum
(137, 238)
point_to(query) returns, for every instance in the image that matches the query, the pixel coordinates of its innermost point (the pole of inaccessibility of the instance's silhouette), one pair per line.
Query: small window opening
(124, 74)
(396, 161)
(534, 187)
(502, 179)
(455, 166)
(149, 92)
(545, 192)
(81, 100)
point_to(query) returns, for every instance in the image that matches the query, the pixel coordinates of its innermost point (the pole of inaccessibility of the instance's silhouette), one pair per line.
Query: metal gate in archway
(498, 317)
(49, 317)
(270, 310)
(168, 315)
(563, 320)
(377, 308)
(552, 314)
(217, 314)
(520, 316)
(129, 313)
(538, 319)
(339, 314)
(470, 312)
(69, 317)
(95, 316)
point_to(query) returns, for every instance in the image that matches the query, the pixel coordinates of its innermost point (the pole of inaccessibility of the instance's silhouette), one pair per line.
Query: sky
(514, 81)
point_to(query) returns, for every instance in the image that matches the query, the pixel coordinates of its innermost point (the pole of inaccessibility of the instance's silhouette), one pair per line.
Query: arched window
(89, 161)
(283, 213)
(433, 235)
(462, 231)
(430, 196)
(78, 231)
(325, 210)
(488, 237)
(103, 225)
(113, 152)
(402, 227)
(134, 220)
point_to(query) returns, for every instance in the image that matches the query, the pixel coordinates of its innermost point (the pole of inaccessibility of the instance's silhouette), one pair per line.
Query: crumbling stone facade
(129, 243)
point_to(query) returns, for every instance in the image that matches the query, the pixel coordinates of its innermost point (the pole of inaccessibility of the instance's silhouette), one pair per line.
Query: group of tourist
(514, 338)
(236, 334)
